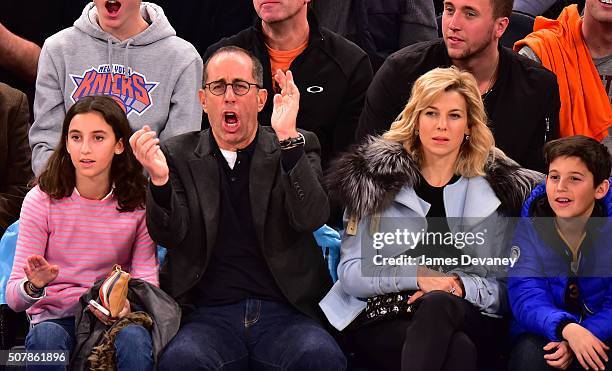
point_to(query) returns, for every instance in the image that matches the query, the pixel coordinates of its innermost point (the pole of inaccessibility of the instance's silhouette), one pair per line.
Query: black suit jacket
(15, 167)
(287, 208)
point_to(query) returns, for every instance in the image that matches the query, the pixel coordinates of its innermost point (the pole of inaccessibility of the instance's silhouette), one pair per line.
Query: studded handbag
(387, 306)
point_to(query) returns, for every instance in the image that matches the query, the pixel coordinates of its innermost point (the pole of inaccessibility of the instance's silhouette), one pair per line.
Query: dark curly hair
(58, 179)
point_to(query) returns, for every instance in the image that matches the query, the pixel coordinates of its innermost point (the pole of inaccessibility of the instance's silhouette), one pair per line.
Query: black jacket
(286, 207)
(143, 296)
(523, 106)
(332, 74)
(15, 153)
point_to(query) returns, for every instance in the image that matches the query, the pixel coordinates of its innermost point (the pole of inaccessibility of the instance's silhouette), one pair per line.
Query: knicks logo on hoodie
(131, 90)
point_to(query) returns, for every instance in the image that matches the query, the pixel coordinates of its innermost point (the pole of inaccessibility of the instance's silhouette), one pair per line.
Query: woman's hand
(127, 309)
(588, 349)
(430, 280)
(415, 296)
(561, 358)
(39, 272)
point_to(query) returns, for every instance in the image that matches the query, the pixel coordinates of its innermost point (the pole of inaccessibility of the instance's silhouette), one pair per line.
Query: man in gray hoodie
(126, 49)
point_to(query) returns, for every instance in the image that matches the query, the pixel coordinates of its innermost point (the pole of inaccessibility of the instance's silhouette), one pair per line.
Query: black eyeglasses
(239, 87)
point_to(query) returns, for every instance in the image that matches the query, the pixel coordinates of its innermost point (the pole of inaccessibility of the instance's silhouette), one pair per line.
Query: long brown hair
(59, 177)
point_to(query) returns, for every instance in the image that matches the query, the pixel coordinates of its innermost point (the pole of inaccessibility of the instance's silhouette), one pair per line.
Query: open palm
(39, 272)
(286, 106)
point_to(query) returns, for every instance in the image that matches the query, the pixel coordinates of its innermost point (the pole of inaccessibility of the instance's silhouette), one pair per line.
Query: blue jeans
(252, 335)
(133, 344)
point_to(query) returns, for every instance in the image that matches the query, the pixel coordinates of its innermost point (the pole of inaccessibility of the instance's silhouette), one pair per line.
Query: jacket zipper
(589, 311)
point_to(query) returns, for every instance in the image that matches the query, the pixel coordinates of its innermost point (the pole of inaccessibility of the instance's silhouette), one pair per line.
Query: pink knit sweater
(85, 238)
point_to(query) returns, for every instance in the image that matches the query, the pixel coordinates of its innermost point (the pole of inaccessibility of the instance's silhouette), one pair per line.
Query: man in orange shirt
(332, 73)
(579, 51)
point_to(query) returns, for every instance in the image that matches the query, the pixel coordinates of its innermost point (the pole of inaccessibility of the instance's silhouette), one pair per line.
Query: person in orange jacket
(578, 50)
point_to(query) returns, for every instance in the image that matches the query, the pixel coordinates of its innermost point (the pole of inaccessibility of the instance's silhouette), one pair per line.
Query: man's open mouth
(230, 118)
(112, 6)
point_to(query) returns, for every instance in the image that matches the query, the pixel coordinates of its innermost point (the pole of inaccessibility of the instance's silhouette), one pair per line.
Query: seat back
(520, 25)
(8, 243)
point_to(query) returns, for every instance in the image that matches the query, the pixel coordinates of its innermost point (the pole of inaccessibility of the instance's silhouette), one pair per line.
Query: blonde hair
(427, 88)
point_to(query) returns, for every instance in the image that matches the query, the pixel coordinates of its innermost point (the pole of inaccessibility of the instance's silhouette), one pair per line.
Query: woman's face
(92, 145)
(442, 127)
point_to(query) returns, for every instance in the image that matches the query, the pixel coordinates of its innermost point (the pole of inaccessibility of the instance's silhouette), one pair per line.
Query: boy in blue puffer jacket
(560, 289)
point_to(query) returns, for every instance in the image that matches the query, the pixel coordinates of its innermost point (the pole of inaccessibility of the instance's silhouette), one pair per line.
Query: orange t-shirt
(282, 59)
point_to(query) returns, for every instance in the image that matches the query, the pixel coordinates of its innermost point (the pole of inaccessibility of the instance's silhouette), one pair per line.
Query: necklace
(492, 80)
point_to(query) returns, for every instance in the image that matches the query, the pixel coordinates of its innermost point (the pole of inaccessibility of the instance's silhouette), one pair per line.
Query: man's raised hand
(286, 106)
(145, 146)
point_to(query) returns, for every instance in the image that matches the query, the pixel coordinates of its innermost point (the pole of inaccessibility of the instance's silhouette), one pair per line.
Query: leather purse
(114, 289)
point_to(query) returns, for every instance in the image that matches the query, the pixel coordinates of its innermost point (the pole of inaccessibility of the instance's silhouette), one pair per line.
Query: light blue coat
(472, 204)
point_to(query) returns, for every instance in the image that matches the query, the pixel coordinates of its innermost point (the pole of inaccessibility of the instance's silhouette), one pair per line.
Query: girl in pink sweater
(85, 215)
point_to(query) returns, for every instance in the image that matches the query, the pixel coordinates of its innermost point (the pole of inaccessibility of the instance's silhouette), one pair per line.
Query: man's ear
(602, 189)
(202, 95)
(500, 26)
(262, 96)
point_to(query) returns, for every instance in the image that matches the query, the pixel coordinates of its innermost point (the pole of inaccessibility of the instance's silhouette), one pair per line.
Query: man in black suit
(236, 206)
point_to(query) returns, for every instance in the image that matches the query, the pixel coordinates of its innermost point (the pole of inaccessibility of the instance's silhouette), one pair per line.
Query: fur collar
(367, 179)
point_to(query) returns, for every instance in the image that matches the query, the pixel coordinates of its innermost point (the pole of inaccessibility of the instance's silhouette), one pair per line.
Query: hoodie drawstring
(126, 60)
(110, 59)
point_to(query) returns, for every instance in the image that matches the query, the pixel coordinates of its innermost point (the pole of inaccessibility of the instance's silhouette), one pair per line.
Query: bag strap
(353, 222)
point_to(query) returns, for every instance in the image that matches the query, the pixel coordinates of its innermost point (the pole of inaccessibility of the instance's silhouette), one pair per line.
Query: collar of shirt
(109, 195)
(241, 153)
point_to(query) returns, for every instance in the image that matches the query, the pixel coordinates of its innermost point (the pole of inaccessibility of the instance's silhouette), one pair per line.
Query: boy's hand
(589, 350)
(561, 358)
